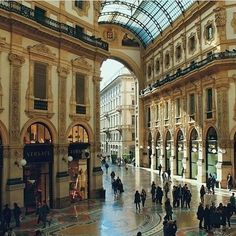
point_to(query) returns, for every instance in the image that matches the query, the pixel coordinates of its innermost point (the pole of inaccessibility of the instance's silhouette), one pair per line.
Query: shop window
(209, 103)
(78, 134)
(37, 133)
(192, 107)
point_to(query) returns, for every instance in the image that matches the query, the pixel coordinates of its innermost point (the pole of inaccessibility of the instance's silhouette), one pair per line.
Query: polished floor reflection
(117, 216)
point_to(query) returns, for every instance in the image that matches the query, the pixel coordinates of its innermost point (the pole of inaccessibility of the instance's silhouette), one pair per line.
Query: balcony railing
(197, 65)
(16, 7)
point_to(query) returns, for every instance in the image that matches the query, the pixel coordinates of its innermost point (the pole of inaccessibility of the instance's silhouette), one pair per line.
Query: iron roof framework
(146, 19)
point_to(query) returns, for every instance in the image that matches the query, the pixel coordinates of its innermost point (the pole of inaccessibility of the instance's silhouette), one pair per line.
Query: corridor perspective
(118, 216)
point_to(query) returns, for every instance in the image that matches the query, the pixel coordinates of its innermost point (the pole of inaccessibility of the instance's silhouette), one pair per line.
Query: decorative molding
(42, 50)
(220, 17)
(63, 71)
(81, 63)
(109, 34)
(16, 60)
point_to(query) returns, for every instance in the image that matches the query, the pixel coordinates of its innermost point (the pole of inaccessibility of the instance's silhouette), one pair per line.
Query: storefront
(37, 173)
(211, 153)
(193, 154)
(78, 167)
(179, 153)
(167, 151)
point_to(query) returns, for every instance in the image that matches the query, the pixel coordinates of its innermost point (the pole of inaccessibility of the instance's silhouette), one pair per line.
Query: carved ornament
(220, 17)
(63, 71)
(15, 59)
(81, 63)
(42, 49)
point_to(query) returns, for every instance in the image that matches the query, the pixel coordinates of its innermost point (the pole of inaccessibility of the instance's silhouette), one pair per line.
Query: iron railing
(197, 65)
(16, 7)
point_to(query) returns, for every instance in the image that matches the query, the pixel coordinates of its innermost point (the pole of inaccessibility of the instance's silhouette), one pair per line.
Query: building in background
(117, 117)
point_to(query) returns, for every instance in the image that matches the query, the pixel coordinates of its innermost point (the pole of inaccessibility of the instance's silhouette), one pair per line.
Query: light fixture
(222, 150)
(21, 163)
(67, 159)
(213, 150)
(194, 149)
(179, 149)
(141, 147)
(148, 147)
(157, 147)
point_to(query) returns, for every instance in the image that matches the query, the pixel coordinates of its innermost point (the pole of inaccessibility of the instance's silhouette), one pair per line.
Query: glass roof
(146, 19)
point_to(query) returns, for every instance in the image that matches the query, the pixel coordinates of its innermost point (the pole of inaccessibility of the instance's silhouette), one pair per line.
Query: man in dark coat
(17, 213)
(6, 215)
(200, 214)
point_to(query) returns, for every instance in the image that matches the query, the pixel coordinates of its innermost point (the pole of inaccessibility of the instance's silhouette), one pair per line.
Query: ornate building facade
(189, 99)
(49, 102)
(117, 114)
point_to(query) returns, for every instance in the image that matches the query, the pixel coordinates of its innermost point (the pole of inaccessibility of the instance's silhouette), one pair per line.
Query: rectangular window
(40, 80)
(133, 119)
(133, 136)
(158, 113)
(177, 110)
(80, 87)
(192, 106)
(209, 32)
(166, 110)
(149, 117)
(209, 103)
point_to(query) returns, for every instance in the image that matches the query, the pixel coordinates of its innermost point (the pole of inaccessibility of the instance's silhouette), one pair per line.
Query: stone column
(96, 185)
(61, 186)
(15, 185)
(224, 165)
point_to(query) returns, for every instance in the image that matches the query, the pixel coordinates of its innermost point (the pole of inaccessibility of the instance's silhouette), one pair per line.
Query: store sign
(38, 153)
(78, 151)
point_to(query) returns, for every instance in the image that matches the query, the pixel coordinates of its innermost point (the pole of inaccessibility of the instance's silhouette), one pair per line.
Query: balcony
(17, 8)
(220, 56)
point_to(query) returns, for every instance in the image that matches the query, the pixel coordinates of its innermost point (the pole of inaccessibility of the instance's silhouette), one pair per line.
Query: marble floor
(118, 217)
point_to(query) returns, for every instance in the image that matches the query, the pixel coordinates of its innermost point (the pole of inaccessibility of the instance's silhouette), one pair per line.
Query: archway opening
(78, 163)
(211, 153)
(193, 154)
(37, 173)
(167, 150)
(179, 152)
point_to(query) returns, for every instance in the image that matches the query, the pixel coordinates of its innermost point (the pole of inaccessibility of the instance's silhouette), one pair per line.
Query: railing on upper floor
(16, 7)
(197, 65)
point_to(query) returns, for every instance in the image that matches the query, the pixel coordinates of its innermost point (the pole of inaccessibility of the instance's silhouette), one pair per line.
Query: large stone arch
(48, 123)
(129, 63)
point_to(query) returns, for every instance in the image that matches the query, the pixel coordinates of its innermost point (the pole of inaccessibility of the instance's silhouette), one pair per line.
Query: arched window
(78, 134)
(37, 133)
(193, 154)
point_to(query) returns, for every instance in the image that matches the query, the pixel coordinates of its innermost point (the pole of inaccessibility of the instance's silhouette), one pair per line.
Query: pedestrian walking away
(137, 200)
(143, 197)
(17, 214)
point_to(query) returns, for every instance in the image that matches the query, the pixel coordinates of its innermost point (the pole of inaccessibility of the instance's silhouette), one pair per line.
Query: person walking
(44, 211)
(159, 168)
(202, 193)
(143, 197)
(232, 201)
(229, 182)
(6, 214)
(153, 191)
(200, 214)
(137, 200)
(106, 166)
(17, 214)
(168, 209)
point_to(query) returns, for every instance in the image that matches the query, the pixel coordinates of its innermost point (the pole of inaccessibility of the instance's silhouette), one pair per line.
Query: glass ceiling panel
(145, 18)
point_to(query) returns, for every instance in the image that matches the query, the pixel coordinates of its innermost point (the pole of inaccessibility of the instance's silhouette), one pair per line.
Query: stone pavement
(118, 217)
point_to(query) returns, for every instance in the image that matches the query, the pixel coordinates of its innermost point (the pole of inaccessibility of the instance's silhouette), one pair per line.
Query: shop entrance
(37, 185)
